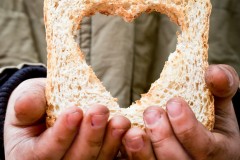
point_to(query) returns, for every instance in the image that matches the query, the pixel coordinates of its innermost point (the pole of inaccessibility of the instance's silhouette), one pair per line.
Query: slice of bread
(70, 81)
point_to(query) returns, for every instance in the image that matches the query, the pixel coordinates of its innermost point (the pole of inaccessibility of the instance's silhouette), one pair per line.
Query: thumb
(223, 82)
(27, 103)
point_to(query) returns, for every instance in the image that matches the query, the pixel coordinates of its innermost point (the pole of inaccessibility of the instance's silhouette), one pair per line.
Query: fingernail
(229, 75)
(99, 120)
(174, 108)
(73, 119)
(117, 132)
(151, 117)
(135, 143)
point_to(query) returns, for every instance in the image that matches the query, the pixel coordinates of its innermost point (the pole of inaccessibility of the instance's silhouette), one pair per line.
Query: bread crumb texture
(70, 81)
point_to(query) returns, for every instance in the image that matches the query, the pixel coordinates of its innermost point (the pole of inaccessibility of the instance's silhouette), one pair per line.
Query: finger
(194, 137)
(223, 82)
(164, 142)
(59, 137)
(89, 140)
(116, 128)
(138, 145)
(27, 103)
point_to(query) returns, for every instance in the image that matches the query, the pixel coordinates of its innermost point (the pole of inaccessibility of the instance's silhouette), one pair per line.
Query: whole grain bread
(71, 81)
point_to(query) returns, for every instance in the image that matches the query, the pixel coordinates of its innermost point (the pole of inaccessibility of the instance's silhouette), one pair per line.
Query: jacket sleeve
(10, 78)
(22, 36)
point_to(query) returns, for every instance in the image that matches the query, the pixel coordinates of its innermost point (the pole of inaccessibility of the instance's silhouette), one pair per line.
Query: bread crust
(182, 76)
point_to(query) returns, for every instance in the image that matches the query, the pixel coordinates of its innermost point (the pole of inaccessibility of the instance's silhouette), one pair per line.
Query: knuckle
(206, 146)
(187, 133)
(60, 140)
(161, 142)
(160, 137)
(94, 144)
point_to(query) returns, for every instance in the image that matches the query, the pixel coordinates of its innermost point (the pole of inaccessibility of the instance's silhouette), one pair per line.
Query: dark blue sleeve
(9, 80)
(236, 104)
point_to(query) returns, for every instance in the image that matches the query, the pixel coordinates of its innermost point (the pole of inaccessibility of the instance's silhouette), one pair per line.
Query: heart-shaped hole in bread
(71, 81)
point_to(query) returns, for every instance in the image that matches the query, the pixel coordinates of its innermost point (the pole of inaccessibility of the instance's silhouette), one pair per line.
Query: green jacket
(127, 57)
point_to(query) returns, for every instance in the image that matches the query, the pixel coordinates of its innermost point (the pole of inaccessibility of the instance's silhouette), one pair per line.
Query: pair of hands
(174, 134)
